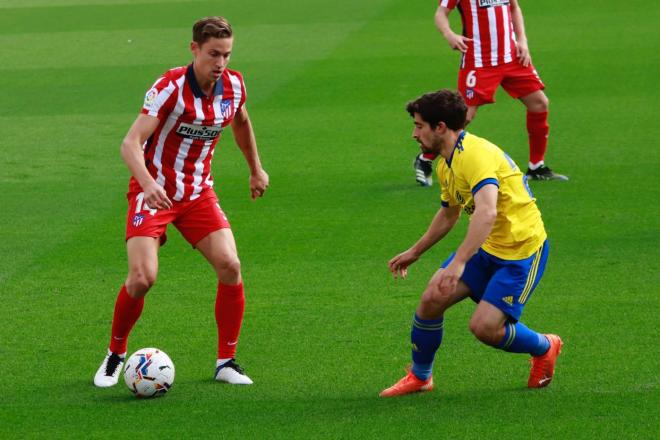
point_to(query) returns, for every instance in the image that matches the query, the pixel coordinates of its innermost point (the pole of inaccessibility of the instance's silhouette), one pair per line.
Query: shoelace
(402, 383)
(234, 366)
(113, 363)
(545, 171)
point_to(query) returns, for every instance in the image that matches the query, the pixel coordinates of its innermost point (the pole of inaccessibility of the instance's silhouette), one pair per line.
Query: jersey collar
(457, 146)
(197, 91)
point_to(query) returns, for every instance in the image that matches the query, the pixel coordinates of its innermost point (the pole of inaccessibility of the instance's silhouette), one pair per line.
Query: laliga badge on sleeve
(150, 97)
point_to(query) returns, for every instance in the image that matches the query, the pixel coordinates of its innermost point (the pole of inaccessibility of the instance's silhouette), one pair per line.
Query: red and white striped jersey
(178, 154)
(488, 23)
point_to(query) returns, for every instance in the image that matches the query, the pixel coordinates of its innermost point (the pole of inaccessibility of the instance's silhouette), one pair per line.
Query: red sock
(537, 130)
(229, 307)
(127, 312)
(429, 156)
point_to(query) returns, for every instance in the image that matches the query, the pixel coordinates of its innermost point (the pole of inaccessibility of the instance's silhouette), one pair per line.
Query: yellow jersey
(518, 231)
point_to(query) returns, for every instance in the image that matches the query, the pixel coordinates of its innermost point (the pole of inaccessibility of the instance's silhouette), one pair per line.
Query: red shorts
(194, 219)
(478, 86)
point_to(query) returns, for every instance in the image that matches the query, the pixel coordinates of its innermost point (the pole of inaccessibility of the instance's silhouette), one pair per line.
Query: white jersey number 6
(471, 79)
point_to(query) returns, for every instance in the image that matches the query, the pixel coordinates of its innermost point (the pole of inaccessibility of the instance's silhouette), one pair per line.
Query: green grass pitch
(326, 327)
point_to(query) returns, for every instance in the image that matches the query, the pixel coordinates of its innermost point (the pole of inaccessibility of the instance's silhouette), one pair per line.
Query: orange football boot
(409, 384)
(543, 367)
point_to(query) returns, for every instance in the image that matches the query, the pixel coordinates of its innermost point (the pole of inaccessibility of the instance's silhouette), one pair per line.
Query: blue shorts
(506, 284)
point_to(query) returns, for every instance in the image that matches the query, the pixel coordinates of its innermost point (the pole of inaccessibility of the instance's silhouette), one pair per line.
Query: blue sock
(520, 339)
(426, 336)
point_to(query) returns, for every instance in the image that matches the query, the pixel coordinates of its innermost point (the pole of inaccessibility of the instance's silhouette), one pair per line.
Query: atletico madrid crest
(137, 220)
(225, 108)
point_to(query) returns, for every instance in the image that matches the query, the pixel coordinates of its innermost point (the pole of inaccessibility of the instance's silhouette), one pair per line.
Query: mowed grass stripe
(280, 44)
(57, 176)
(172, 14)
(90, 87)
(15, 4)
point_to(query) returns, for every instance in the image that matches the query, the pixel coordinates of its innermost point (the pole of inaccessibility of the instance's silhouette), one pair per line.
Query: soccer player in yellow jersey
(501, 258)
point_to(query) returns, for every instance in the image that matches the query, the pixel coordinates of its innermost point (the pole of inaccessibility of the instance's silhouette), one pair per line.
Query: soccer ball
(149, 372)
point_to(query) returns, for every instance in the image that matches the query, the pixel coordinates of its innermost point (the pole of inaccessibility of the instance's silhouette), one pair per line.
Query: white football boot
(231, 372)
(108, 373)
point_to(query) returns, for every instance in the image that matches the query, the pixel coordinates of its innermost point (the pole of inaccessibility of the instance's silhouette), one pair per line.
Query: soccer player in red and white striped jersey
(168, 151)
(495, 52)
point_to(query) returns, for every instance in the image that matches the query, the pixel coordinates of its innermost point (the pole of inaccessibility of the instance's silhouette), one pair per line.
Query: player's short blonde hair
(211, 27)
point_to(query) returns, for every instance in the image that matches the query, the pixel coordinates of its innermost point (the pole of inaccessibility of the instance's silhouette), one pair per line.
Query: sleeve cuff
(488, 181)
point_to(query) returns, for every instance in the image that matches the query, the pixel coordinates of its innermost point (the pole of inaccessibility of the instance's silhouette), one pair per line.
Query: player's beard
(432, 148)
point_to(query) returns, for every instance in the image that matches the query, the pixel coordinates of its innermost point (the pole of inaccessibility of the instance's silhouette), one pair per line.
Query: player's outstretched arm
(131, 152)
(244, 135)
(442, 223)
(455, 41)
(522, 48)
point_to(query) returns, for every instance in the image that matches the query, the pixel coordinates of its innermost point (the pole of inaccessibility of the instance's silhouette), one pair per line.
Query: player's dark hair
(442, 106)
(211, 27)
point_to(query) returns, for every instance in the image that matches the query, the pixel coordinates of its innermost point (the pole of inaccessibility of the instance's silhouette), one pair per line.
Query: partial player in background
(495, 52)
(501, 259)
(168, 151)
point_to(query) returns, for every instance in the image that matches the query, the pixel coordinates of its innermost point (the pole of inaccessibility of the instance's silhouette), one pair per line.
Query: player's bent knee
(539, 104)
(138, 283)
(485, 333)
(433, 301)
(426, 303)
(543, 104)
(479, 332)
(229, 268)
